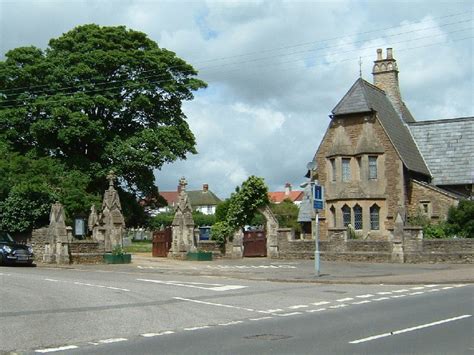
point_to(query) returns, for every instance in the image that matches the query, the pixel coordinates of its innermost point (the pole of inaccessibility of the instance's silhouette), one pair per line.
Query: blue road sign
(318, 204)
(318, 193)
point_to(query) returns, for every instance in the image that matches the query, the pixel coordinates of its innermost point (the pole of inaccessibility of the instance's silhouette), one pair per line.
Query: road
(107, 310)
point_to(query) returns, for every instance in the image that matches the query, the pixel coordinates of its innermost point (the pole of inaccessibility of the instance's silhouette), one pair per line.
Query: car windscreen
(5, 238)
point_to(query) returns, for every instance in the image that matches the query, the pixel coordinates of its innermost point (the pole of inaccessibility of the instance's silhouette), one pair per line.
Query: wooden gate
(255, 243)
(162, 242)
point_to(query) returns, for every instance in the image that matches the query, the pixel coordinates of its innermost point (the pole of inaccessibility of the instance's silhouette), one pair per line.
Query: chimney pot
(379, 54)
(205, 187)
(389, 53)
(287, 189)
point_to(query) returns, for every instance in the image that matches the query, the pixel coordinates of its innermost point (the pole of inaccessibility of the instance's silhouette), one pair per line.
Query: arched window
(357, 217)
(333, 215)
(346, 215)
(374, 217)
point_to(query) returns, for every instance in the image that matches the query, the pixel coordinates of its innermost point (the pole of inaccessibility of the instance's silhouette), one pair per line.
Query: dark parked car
(14, 253)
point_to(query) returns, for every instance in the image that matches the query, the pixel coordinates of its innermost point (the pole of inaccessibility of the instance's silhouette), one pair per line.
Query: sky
(275, 69)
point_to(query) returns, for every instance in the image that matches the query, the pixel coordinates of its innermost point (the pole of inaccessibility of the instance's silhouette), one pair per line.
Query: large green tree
(98, 98)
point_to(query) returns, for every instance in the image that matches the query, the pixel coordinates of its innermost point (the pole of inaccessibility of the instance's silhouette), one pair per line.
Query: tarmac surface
(296, 270)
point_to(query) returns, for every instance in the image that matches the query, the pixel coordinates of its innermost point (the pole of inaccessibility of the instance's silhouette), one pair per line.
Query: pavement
(296, 270)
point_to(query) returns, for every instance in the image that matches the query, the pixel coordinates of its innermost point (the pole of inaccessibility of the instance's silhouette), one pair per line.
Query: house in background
(279, 196)
(375, 161)
(204, 201)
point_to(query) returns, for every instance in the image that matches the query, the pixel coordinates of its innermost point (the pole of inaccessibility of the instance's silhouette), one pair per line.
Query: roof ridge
(442, 120)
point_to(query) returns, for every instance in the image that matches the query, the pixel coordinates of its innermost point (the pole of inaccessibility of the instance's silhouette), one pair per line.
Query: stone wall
(209, 245)
(86, 252)
(442, 250)
(38, 239)
(438, 202)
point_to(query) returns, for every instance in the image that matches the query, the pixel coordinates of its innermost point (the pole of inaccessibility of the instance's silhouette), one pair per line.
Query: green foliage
(242, 207)
(201, 219)
(221, 210)
(97, 99)
(460, 220)
(286, 213)
(161, 220)
(117, 250)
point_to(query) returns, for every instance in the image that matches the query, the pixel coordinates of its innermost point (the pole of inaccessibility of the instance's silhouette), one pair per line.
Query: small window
(333, 169)
(358, 217)
(372, 168)
(346, 215)
(346, 169)
(374, 217)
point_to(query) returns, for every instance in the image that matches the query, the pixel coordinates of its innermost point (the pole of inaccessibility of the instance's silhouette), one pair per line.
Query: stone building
(375, 161)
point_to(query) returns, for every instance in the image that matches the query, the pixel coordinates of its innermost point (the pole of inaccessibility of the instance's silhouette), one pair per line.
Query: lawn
(142, 246)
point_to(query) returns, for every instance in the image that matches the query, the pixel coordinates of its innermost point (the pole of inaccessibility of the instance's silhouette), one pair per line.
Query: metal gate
(255, 243)
(162, 242)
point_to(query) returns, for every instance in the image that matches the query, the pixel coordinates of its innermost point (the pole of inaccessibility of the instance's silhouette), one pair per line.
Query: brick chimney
(205, 188)
(287, 189)
(385, 72)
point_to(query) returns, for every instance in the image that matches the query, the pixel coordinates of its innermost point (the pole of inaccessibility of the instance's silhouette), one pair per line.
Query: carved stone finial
(111, 177)
(183, 183)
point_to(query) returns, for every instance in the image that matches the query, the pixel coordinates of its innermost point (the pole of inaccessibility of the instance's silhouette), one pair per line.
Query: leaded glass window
(346, 215)
(372, 167)
(346, 169)
(374, 217)
(358, 217)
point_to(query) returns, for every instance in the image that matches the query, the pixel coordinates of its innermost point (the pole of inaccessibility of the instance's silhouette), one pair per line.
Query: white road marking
(402, 290)
(447, 288)
(320, 303)
(112, 340)
(61, 348)
(338, 306)
(415, 293)
(365, 296)
(384, 293)
(52, 280)
(149, 335)
(261, 318)
(198, 328)
(381, 298)
(316, 310)
(214, 304)
(288, 314)
(200, 285)
(345, 299)
(272, 310)
(431, 285)
(101, 286)
(460, 285)
(362, 302)
(298, 306)
(417, 288)
(409, 329)
(398, 296)
(251, 267)
(434, 290)
(231, 323)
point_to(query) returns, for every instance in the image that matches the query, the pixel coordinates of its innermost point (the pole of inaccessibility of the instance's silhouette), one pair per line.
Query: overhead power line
(6, 91)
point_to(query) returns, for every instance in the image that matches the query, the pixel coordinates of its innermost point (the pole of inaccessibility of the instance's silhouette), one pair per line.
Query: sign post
(317, 195)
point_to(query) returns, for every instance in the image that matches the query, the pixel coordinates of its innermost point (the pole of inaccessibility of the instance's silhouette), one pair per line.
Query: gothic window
(346, 169)
(346, 215)
(375, 217)
(333, 169)
(357, 217)
(333, 215)
(372, 168)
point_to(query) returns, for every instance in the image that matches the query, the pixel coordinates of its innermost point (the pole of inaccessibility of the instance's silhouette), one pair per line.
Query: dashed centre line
(61, 348)
(214, 304)
(149, 335)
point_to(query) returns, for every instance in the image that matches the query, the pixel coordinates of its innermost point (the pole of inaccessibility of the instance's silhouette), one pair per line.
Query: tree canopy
(97, 99)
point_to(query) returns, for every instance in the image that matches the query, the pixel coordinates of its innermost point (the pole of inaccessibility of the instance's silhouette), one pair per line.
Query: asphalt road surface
(137, 311)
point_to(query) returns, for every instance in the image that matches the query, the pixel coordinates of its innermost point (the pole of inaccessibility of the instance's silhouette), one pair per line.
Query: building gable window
(358, 217)
(346, 215)
(374, 217)
(346, 169)
(372, 168)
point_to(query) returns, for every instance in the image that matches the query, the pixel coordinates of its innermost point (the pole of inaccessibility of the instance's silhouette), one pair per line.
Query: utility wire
(111, 86)
(264, 51)
(65, 98)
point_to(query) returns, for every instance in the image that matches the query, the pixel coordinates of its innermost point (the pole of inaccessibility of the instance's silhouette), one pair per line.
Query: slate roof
(448, 148)
(364, 97)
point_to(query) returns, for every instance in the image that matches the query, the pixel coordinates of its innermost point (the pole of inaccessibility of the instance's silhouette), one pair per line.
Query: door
(162, 242)
(255, 243)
